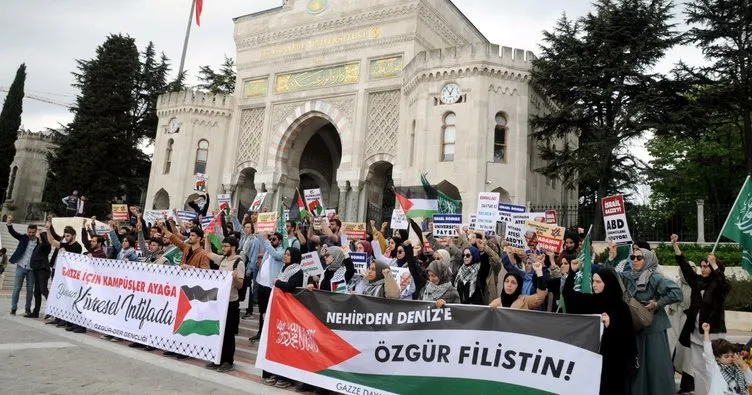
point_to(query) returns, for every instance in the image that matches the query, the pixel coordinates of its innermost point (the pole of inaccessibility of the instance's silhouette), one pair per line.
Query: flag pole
(720, 233)
(187, 35)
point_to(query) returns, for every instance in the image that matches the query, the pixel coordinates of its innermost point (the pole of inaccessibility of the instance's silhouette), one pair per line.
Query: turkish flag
(199, 8)
(298, 339)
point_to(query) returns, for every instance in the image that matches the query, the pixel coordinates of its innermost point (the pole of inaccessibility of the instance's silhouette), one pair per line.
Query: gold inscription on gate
(385, 68)
(371, 33)
(258, 87)
(320, 78)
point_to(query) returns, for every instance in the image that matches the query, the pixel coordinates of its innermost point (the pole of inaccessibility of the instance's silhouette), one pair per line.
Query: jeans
(21, 274)
(41, 278)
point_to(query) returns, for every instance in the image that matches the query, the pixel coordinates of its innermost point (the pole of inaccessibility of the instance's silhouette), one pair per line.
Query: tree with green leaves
(98, 153)
(10, 122)
(722, 30)
(219, 82)
(597, 71)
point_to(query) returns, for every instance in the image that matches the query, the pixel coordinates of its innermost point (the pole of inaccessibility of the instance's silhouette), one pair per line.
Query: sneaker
(181, 357)
(31, 315)
(303, 387)
(27, 312)
(79, 329)
(247, 316)
(70, 328)
(255, 338)
(225, 367)
(211, 366)
(13, 312)
(47, 316)
(136, 345)
(149, 348)
(282, 384)
(61, 324)
(271, 380)
(105, 337)
(116, 340)
(169, 354)
(52, 322)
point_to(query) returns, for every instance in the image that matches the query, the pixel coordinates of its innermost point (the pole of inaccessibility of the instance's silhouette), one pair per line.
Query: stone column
(342, 204)
(363, 203)
(700, 221)
(353, 201)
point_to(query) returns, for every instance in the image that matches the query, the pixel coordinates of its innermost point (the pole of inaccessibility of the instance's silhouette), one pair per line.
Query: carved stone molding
(345, 105)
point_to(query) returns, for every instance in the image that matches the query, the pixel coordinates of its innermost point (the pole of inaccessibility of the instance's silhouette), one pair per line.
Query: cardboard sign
(506, 211)
(200, 184)
(615, 219)
(540, 236)
(266, 222)
(258, 202)
(360, 261)
(310, 264)
(355, 230)
(488, 211)
(551, 217)
(224, 201)
(446, 224)
(399, 219)
(120, 212)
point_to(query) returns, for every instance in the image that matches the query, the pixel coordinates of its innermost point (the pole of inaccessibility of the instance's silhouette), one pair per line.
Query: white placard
(399, 219)
(182, 311)
(258, 202)
(488, 211)
(446, 224)
(310, 264)
(615, 219)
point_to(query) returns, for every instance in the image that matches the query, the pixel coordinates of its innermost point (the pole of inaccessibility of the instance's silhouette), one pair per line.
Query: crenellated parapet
(195, 102)
(481, 58)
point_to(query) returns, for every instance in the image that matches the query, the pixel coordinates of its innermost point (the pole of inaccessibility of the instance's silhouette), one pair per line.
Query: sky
(49, 35)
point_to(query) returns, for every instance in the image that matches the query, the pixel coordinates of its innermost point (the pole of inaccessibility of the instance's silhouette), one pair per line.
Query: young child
(729, 374)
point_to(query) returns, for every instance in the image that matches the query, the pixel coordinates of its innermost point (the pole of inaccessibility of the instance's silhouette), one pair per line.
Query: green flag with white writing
(583, 281)
(738, 226)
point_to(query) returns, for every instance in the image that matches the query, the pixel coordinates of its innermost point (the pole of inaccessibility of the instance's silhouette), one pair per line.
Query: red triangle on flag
(184, 306)
(404, 202)
(298, 339)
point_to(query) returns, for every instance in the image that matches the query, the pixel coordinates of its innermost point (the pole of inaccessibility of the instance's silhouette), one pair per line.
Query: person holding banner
(618, 346)
(708, 296)
(648, 286)
(439, 287)
(511, 291)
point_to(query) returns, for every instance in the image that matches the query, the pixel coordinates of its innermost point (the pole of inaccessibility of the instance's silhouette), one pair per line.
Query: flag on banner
(282, 227)
(404, 202)
(199, 8)
(193, 305)
(207, 223)
(446, 204)
(583, 283)
(738, 225)
(297, 208)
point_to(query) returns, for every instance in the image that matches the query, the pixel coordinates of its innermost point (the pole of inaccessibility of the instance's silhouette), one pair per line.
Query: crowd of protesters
(631, 295)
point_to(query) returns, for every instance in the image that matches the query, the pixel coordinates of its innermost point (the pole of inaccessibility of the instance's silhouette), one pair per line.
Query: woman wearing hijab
(709, 292)
(380, 282)
(644, 283)
(288, 279)
(470, 279)
(339, 269)
(618, 346)
(511, 291)
(439, 287)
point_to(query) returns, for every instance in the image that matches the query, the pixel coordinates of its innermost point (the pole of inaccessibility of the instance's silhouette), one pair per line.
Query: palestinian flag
(423, 208)
(297, 208)
(404, 202)
(197, 312)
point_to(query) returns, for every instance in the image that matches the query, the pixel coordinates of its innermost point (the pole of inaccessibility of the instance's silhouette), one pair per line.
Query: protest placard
(545, 237)
(224, 201)
(314, 201)
(360, 261)
(446, 224)
(152, 216)
(120, 212)
(258, 202)
(488, 211)
(473, 220)
(399, 219)
(310, 264)
(355, 230)
(200, 183)
(615, 219)
(267, 222)
(551, 217)
(506, 210)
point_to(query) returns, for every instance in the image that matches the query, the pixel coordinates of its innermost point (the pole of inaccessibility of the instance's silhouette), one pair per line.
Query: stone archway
(161, 200)
(379, 187)
(503, 195)
(245, 190)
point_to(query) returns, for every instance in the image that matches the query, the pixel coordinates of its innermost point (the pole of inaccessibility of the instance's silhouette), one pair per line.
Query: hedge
(740, 297)
(728, 254)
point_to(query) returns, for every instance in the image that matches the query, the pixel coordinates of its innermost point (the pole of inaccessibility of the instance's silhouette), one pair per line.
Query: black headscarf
(611, 297)
(507, 300)
(295, 255)
(397, 243)
(409, 256)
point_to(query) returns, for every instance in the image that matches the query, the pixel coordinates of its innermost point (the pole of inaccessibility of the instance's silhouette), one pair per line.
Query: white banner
(258, 202)
(182, 311)
(152, 216)
(615, 219)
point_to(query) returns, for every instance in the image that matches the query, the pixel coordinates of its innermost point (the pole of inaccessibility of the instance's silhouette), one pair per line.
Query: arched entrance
(246, 190)
(379, 190)
(314, 153)
(161, 200)
(503, 195)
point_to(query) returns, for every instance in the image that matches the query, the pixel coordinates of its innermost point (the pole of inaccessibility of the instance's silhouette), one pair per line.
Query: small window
(448, 137)
(12, 182)
(168, 156)
(500, 138)
(202, 154)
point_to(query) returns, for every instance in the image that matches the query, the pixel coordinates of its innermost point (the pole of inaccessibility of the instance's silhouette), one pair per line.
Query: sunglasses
(400, 251)
(468, 255)
(272, 239)
(636, 257)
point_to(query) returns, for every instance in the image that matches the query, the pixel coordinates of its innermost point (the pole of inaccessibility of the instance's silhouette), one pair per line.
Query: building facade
(28, 174)
(345, 96)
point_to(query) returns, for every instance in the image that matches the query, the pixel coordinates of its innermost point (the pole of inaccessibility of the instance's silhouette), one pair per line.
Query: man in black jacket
(31, 255)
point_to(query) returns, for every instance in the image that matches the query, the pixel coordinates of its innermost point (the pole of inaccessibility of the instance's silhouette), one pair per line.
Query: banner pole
(187, 36)
(718, 240)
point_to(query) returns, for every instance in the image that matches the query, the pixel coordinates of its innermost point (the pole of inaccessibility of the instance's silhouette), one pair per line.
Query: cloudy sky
(48, 35)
